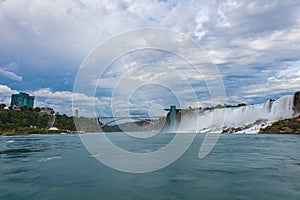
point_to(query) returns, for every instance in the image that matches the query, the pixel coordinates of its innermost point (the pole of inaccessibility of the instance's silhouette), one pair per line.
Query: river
(239, 167)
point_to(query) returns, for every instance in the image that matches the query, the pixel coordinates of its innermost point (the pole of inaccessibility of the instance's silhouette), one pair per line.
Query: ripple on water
(239, 167)
(49, 158)
(19, 153)
(22, 150)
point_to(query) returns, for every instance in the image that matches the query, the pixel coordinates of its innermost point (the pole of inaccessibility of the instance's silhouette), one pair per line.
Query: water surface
(239, 167)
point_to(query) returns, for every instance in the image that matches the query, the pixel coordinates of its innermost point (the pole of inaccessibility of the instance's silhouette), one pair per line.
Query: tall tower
(173, 116)
(22, 99)
(76, 113)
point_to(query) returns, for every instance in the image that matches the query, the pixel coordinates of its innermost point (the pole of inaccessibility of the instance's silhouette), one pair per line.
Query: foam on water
(49, 158)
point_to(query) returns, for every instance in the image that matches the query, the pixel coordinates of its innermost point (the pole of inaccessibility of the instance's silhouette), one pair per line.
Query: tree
(2, 106)
(37, 109)
(63, 122)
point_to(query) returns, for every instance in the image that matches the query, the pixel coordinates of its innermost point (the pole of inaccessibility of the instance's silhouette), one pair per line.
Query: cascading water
(245, 119)
(53, 121)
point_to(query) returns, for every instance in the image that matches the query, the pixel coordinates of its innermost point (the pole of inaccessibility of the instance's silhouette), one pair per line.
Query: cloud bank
(255, 44)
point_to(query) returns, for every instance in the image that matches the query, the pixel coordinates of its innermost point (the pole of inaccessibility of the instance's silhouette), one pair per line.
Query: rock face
(297, 102)
(286, 126)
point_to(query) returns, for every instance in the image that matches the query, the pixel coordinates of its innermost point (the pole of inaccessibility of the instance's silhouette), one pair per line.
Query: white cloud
(285, 81)
(5, 94)
(62, 101)
(10, 75)
(6, 91)
(252, 40)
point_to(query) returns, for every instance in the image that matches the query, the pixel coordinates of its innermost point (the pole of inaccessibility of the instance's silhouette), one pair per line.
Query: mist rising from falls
(245, 119)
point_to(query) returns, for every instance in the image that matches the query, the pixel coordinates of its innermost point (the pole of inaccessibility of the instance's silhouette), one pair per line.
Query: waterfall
(53, 121)
(245, 119)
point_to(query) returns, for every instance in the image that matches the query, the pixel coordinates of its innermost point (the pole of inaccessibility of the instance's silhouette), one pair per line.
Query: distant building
(22, 99)
(50, 114)
(76, 113)
(47, 111)
(53, 129)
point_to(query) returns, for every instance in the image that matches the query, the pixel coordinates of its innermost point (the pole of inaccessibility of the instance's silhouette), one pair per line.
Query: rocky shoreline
(286, 126)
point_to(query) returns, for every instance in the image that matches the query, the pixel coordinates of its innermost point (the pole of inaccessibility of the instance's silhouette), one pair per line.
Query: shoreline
(80, 132)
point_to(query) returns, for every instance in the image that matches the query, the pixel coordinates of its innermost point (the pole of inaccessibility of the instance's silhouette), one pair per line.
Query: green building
(22, 99)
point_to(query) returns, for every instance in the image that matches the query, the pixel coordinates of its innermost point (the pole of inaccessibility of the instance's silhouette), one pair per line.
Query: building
(50, 114)
(22, 99)
(76, 113)
(47, 112)
(173, 117)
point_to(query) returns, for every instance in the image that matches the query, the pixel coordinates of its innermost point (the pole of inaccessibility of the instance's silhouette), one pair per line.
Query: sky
(255, 46)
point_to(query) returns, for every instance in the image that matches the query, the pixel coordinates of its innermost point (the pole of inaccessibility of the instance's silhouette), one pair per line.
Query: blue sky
(255, 45)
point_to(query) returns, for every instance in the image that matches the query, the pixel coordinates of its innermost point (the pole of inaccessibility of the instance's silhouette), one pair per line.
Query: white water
(248, 118)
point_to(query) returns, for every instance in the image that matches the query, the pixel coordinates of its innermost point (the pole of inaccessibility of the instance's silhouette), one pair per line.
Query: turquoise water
(239, 167)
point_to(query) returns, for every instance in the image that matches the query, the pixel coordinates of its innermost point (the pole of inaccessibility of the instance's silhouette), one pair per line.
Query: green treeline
(63, 122)
(32, 121)
(23, 118)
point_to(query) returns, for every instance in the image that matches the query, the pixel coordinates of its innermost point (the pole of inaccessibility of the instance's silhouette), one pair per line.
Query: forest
(31, 121)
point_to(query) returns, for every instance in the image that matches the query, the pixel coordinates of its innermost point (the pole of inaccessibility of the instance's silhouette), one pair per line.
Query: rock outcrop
(286, 126)
(297, 102)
